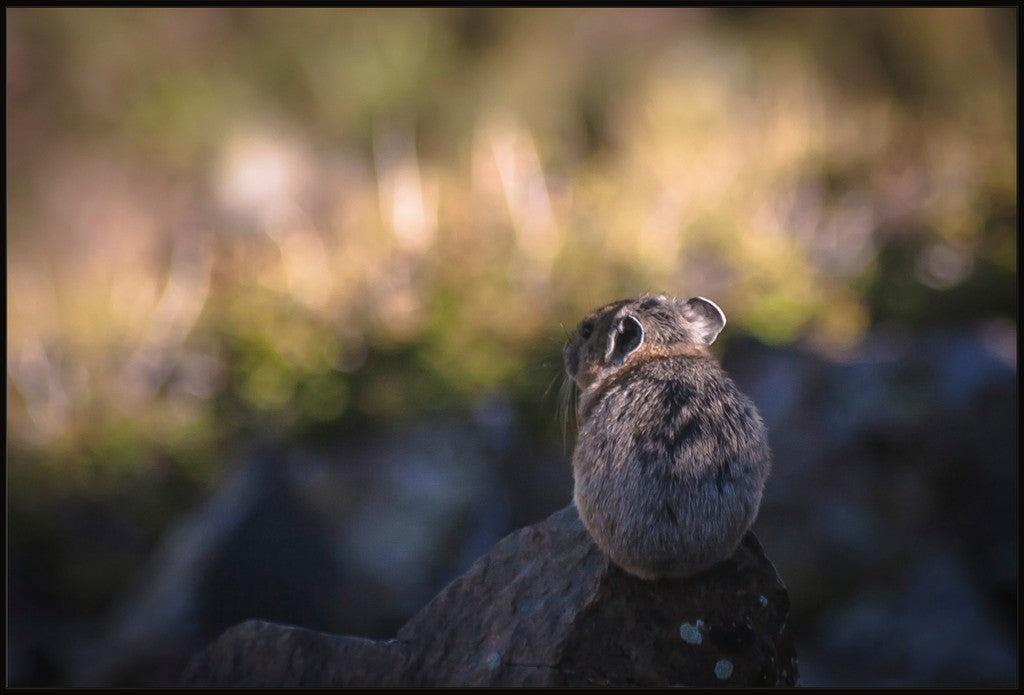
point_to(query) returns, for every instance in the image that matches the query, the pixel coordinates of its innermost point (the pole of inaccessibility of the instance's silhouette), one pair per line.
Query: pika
(671, 458)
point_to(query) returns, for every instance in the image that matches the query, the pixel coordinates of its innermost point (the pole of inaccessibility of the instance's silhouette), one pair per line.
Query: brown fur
(671, 458)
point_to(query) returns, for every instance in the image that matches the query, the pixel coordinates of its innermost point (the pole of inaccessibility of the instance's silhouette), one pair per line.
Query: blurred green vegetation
(288, 223)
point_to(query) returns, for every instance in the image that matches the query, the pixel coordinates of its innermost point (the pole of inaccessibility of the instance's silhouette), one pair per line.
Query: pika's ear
(705, 316)
(626, 335)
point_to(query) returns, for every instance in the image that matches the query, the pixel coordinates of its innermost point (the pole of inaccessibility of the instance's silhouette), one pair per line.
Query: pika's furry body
(671, 458)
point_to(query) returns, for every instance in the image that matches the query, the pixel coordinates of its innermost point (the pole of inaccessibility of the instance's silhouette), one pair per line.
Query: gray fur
(671, 458)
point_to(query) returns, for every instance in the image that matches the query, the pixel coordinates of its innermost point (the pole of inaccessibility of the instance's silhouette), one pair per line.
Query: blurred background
(287, 289)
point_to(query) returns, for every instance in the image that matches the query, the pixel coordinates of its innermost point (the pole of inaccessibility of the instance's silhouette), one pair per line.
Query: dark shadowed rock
(253, 547)
(544, 607)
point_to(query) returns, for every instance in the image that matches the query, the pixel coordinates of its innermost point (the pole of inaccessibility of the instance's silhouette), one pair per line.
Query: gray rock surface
(544, 607)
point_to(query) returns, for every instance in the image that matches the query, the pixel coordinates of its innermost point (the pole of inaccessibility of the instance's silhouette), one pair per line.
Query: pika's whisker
(550, 384)
(567, 407)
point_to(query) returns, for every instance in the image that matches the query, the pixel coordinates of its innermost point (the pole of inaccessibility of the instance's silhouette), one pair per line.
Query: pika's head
(627, 331)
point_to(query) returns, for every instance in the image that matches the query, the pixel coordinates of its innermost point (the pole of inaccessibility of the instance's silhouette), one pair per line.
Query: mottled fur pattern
(671, 458)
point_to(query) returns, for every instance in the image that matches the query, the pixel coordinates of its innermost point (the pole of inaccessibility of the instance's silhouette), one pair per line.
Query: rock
(253, 546)
(902, 450)
(260, 654)
(543, 608)
(350, 538)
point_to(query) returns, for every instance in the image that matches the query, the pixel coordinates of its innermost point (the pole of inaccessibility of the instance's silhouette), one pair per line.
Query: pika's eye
(586, 329)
